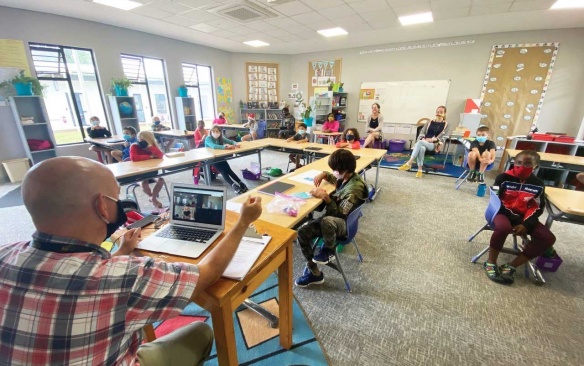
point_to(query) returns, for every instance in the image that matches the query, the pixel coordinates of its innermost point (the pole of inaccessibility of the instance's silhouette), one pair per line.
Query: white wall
(465, 66)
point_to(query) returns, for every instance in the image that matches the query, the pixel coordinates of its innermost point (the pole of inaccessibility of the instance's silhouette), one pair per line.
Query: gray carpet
(417, 299)
(11, 199)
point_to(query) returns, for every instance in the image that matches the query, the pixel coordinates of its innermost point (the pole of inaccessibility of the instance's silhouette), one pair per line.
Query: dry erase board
(403, 102)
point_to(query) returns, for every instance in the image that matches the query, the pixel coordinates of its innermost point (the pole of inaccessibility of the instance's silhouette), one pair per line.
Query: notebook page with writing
(246, 255)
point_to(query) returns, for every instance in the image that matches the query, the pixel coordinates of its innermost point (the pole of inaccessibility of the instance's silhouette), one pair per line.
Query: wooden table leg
(224, 336)
(285, 294)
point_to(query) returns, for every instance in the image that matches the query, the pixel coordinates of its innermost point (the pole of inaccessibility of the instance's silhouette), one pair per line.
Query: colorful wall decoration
(319, 72)
(263, 83)
(514, 88)
(225, 98)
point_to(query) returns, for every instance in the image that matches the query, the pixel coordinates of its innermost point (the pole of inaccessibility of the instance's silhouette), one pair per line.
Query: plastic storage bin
(542, 137)
(16, 168)
(396, 145)
(549, 264)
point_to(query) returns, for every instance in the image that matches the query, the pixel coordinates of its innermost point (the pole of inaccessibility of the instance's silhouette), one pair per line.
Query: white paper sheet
(244, 258)
(306, 177)
(234, 206)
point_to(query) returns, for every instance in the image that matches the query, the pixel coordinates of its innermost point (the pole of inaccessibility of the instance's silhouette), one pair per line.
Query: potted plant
(330, 85)
(24, 85)
(183, 92)
(121, 86)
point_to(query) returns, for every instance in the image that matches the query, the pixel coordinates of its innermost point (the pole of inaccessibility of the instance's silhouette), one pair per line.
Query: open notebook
(247, 254)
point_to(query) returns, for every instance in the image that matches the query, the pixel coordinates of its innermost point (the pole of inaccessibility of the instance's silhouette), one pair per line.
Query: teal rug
(395, 160)
(257, 343)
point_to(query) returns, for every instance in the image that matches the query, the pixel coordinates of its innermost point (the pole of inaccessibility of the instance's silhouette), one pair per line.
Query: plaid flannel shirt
(83, 308)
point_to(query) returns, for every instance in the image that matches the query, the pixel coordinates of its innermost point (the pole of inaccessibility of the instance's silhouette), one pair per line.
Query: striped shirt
(83, 308)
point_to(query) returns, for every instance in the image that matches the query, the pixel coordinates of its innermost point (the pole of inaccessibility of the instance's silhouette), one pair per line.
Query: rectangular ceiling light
(568, 4)
(120, 4)
(332, 32)
(256, 43)
(416, 18)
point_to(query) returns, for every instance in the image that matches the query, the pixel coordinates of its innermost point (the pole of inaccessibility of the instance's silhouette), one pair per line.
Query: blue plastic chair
(490, 213)
(352, 228)
(463, 177)
(262, 128)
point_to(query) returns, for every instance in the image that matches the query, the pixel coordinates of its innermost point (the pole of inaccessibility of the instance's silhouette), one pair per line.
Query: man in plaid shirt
(66, 301)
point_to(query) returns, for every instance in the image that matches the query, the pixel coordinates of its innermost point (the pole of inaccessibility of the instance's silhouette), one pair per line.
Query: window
(148, 88)
(199, 81)
(72, 93)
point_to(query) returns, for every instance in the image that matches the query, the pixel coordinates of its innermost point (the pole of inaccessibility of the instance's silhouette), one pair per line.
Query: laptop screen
(197, 205)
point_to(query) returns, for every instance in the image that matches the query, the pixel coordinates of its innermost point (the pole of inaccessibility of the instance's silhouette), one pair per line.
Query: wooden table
(188, 136)
(331, 136)
(104, 142)
(564, 205)
(223, 297)
(560, 162)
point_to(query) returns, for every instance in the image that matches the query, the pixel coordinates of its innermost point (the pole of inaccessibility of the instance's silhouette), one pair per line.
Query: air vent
(243, 12)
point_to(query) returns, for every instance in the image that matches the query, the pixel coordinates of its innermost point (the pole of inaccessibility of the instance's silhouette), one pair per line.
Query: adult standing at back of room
(374, 125)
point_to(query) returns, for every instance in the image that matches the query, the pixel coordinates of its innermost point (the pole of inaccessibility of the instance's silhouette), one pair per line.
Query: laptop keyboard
(188, 234)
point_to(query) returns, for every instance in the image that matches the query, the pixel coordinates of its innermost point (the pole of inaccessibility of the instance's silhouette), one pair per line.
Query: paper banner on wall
(13, 55)
(314, 65)
(320, 64)
(367, 94)
(331, 64)
(225, 97)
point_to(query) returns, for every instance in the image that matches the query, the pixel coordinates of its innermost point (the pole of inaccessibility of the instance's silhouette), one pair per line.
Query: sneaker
(481, 179)
(508, 273)
(493, 273)
(308, 279)
(323, 256)
(472, 176)
(419, 174)
(236, 188)
(406, 166)
(243, 187)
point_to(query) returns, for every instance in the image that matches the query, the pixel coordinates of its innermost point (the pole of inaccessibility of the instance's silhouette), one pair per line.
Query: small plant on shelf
(21, 85)
(120, 86)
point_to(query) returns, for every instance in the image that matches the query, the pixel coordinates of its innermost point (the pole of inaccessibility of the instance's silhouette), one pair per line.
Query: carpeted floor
(417, 299)
(435, 163)
(11, 199)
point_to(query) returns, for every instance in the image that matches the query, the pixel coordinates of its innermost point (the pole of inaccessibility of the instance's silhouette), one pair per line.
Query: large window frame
(63, 67)
(192, 82)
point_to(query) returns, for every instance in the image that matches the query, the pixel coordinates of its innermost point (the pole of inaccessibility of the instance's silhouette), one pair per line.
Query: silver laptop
(197, 219)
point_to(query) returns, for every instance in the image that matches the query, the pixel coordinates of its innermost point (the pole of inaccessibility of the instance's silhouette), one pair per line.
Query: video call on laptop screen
(197, 206)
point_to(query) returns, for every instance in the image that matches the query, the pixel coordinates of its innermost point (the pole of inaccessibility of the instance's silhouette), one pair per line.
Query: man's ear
(101, 208)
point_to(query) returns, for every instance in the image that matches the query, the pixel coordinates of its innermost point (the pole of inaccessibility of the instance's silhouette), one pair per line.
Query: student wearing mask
(482, 154)
(99, 132)
(330, 125)
(428, 140)
(157, 126)
(200, 134)
(350, 139)
(217, 141)
(130, 138)
(147, 148)
(253, 129)
(374, 125)
(301, 137)
(220, 120)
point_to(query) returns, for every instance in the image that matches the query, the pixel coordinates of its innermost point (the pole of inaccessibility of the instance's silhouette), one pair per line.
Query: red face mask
(522, 172)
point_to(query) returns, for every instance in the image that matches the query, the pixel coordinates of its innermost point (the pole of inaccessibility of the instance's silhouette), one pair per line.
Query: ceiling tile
(284, 23)
(338, 12)
(204, 27)
(170, 6)
(532, 5)
(279, 33)
(292, 8)
(239, 38)
(262, 37)
(398, 3)
(491, 9)
(368, 6)
(353, 24)
(152, 12)
(327, 24)
(448, 4)
(199, 15)
(224, 34)
(382, 16)
(180, 20)
(223, 23)
(242, 30)
(196, 3)
(441, 14)
(309, 18)
(290, 38)
(323, 4)
(262, 26)
(490, 2)
(412, 9)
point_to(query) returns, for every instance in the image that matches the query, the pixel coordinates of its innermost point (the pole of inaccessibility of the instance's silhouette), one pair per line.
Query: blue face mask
(302, 132)
(350, 137)
(94, 123)
(156, 122)
(481, 139)
(127, 137)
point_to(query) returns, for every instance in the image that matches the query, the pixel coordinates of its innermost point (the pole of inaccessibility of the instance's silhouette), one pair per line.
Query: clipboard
(271, 189)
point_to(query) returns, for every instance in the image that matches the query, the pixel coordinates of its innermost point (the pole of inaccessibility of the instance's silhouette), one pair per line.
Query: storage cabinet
(339, 107)
(185, 110)
(33, 123)
(123, 113)
(273, 118)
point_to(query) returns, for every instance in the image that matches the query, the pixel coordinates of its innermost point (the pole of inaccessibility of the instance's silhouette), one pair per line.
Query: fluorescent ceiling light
(256, 43)
(568, 4)
(416, 18)
(120, 4)
(333, 32)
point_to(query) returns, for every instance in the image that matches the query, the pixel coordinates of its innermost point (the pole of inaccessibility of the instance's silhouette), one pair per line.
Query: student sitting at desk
(330, 125)
(130, 138)
(253, 128)
(350, 139)
(301, 137)
(147, 148)
(428, 140)
(157, 126)
(220, 120)
(68, 301)
(350, 193)
(200, 134)
(99, 132)
(218, 141)
(482, 153)
(522, 197)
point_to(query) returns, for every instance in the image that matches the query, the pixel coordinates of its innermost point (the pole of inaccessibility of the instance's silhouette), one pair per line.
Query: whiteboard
(403, 102)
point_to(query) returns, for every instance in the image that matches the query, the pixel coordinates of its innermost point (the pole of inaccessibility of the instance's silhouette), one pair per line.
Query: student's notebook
(247, 254)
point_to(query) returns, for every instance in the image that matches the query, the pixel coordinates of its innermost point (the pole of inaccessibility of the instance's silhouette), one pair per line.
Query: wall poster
(263, 83)
(319, 72)
(225, 97)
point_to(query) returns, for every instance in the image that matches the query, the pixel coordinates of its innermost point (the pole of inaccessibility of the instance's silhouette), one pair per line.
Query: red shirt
(199, 137)
(219, 121)
(139, 154)
(332, 126)
(353, 145)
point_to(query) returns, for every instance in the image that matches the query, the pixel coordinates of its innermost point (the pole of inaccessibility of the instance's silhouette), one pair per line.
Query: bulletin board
(263, 83)
(225, 97)
(515, 86)
(13, 55)
(319, 72)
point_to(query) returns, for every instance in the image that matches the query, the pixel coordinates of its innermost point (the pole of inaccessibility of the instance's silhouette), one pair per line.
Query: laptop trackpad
(184, 248)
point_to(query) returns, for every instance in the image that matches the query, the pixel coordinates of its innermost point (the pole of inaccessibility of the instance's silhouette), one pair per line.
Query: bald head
(63, 190)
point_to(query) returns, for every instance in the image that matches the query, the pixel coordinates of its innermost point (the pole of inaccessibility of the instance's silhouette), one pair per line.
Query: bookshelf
(185, 111)
(272, 116)
(120, 118)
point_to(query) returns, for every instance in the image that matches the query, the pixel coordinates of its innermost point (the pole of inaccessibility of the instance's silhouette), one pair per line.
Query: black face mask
(143, 144)
(350, 137)
(113, 226)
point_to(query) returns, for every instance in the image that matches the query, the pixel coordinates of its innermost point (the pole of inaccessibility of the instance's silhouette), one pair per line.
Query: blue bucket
(23, 89)
(308, 121)
(183, 92)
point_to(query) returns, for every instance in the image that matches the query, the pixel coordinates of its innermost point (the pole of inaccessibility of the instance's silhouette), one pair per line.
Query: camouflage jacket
(347, 196)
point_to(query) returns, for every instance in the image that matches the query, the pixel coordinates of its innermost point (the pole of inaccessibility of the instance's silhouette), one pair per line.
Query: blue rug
(395, 160)
(257, 343)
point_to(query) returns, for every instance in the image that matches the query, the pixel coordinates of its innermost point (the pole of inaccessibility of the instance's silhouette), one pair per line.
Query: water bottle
(481, 190)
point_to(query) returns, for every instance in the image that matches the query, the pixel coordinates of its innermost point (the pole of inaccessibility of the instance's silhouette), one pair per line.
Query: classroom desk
(332, 136)
(223, 297)
(103, 142)
(174, 134)
(554, 159)
(235, 127)
(564, 205)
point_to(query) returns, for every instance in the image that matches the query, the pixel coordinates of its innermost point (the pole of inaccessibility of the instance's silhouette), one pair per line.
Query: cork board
(263, 82)
(515, 86)
(320, 71)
